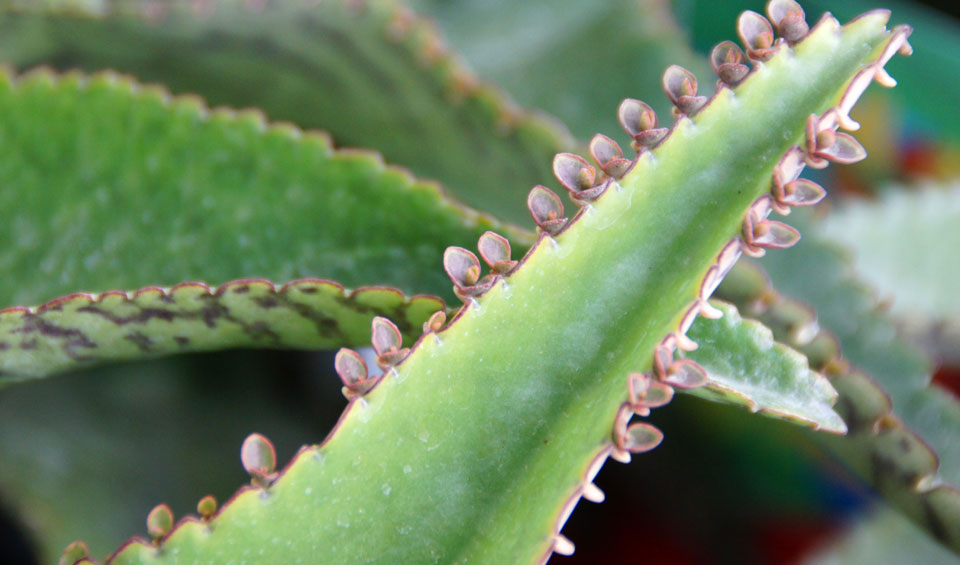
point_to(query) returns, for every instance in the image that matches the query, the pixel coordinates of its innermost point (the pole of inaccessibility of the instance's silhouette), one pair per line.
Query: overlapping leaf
(371, 74)
(902, 246)
(747, 367)
(106, 185)
(891, 449)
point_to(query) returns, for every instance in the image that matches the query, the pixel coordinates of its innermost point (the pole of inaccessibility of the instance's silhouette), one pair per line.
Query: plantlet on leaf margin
(259, 459)
(503, 417)
(640, 122)
(387, 343)
(546, 209)
(758, 233)
(727, 60)
(159, 522)
(76, 552)
(207, 507)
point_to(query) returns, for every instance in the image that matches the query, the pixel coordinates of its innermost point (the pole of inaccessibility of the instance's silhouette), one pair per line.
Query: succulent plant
(485, 390)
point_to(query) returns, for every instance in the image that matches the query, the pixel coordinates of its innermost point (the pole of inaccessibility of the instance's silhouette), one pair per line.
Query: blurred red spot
(949, 378)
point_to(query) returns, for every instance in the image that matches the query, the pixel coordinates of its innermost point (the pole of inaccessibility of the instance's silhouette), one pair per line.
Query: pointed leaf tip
(159, 522)
(546, 208)
(258, 457)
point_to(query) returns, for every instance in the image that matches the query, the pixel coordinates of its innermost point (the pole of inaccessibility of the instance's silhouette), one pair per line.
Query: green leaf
(570, 57)
(372, 76)
(108, 185)
(747, 367)
(898, 450)
(84, 329)
(902, 245)
(478, 444)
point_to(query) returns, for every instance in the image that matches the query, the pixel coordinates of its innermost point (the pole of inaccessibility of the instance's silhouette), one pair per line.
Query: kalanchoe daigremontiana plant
(473, 430)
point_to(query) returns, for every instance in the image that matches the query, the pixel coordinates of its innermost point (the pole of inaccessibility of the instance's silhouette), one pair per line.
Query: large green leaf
(372, 75)
(570, 57)
(109, 185)
(748, 368)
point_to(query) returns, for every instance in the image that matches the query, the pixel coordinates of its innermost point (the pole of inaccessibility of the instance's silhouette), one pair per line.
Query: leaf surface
(747, 367)
(481, 441)
(372, 75)
(85, 456)
(910, 452)
(107, 185)
(569, 57)
(83, 329)
(905, 245)
(884, 537)
(935, 43)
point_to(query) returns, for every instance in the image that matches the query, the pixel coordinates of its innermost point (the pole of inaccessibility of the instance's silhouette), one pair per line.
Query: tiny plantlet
(505, 366)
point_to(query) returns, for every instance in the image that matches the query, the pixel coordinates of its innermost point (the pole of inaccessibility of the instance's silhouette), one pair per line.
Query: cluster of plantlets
(502, 416)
